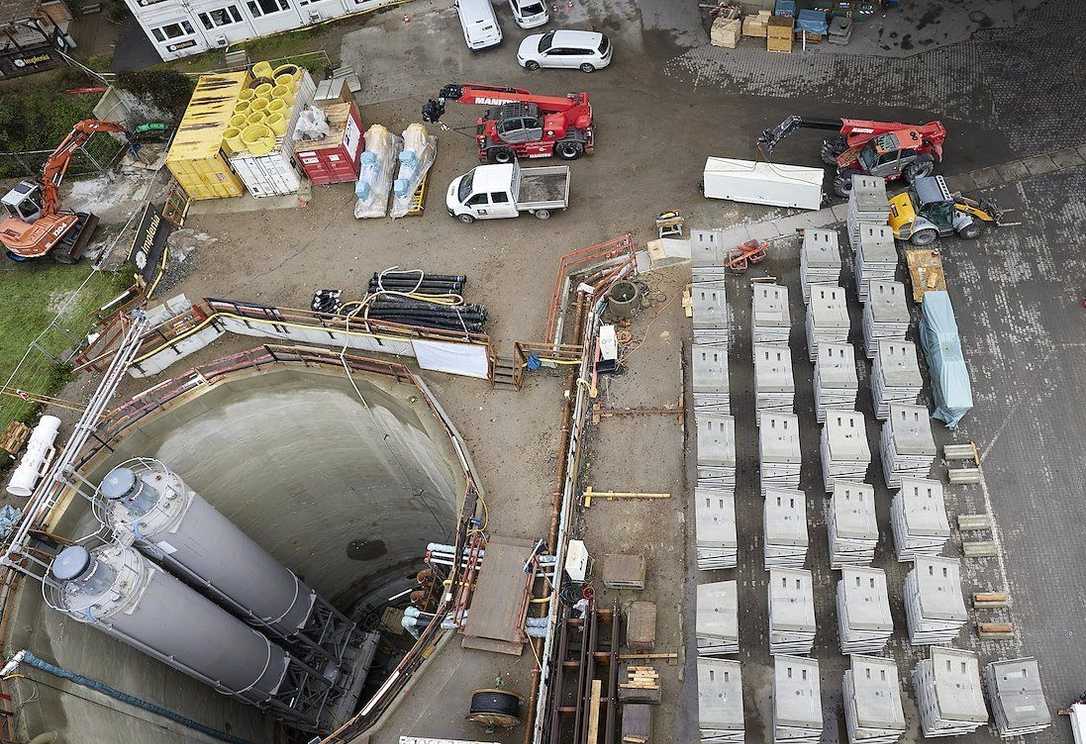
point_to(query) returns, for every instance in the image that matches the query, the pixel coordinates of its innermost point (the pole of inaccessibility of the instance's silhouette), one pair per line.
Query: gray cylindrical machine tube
(186, 630)
(210, 546)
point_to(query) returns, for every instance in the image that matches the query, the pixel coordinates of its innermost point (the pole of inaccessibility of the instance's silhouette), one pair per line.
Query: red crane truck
(522, 125)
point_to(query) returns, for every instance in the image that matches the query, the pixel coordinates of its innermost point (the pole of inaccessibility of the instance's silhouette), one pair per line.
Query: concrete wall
(302, 466)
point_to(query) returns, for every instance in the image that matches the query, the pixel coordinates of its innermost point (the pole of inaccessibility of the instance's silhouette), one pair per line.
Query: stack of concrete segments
(864, 622)
(716, 449)
(709, 379)
(907, 444)
(792, 625)
(867, 205)
(720, 701)
(707, 248)
(852, 525)
(770, 318)
(876, 258)
(846, 454)
(827, 318)
(779, 450)
(774, 385)
(797, 701)
(918, 518)
(717, 622)
(836, 384)
(785, 518)
(949, 693)
(709, 307)
(895, 376)
(819, 260)
(934, 605)
(714, 526)
(873, 710)
(886, 314)
(1018, 702)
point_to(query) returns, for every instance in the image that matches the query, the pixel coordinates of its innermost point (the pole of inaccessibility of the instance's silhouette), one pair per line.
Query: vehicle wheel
(919, 169)
(531, 65)
(500, 155)
(569, 150)
(543, 214)
(926, 236)
(588, 68)
(842, 185)
(970, 231)
(832, 147)
(467, 219)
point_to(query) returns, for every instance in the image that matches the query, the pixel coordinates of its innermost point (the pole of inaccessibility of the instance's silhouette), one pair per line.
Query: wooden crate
(725, 32)
(778, 34)
(755, 24)
(925, 272)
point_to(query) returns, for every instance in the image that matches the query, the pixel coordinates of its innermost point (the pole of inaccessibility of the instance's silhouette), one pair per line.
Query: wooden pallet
(925, 272)
(418, 199)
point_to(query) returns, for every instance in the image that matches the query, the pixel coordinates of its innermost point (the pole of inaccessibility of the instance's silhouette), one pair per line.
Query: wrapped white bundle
(419, 152)
(375, 178)
(312, 125)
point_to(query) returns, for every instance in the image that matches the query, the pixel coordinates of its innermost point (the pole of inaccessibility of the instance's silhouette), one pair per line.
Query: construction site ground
(661, 109)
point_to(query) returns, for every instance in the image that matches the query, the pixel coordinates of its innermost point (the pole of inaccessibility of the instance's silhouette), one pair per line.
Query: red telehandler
(523, 125)
(878, 148)
(34, 224)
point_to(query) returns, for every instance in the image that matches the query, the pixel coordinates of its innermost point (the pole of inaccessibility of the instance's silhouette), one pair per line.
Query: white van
(481, 29)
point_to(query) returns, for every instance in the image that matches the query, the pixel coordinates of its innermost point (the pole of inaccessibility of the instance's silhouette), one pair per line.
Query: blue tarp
(943, 349)
(813, 21)
(785, 8)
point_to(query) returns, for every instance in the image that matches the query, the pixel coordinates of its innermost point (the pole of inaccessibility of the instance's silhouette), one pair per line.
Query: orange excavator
(34, 225)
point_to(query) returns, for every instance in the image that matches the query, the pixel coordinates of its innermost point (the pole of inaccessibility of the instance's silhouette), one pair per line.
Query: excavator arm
(493, 95)
(56, 166)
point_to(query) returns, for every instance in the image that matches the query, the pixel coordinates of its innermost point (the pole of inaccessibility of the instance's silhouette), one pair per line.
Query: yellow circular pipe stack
(255, 117)
(286, 69)
(264, 90)
(246, 94)
(231, 137)
(241, 107)
(258, 139)
(284, 93)
(276, 106)
(262, 70)
(239, 119)
(276, 123)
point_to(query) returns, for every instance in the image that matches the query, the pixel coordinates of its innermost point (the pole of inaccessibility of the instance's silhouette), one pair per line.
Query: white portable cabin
(772, 184)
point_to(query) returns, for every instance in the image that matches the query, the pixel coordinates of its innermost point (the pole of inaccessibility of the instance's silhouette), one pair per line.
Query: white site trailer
(772, 184)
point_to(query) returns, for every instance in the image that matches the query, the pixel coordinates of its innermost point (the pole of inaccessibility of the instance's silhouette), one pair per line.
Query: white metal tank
(176, 526)
(117, 590)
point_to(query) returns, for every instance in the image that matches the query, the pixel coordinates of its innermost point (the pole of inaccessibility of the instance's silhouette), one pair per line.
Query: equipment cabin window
(266, 7)
(221, 17)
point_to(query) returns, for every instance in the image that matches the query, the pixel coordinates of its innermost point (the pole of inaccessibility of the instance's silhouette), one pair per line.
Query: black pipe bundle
(326, 301)
(408, 281)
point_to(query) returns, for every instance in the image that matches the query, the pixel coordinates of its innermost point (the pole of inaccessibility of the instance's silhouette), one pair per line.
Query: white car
(586, 51)
(529, 13)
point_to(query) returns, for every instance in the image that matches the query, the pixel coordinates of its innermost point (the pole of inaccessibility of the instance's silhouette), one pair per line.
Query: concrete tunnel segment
(345, 491)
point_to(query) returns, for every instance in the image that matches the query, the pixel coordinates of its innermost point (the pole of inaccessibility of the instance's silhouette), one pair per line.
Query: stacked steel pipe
(398, 308)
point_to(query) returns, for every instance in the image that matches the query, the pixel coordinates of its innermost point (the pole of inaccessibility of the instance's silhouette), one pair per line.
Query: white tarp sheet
(469, 360)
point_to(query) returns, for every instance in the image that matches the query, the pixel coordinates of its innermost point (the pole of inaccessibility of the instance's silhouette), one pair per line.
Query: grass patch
(304, 47)
(31, 296)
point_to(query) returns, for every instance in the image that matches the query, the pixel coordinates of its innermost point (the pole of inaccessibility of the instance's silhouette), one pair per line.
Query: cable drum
(494, 708)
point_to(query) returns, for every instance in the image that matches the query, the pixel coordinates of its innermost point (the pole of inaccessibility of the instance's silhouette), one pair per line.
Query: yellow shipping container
(195, 158)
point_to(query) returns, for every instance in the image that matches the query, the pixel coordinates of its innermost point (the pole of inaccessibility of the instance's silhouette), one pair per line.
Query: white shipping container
(274, 174)
(774, 184)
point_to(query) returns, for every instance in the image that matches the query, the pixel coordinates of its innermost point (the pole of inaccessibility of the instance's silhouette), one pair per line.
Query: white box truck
(773, 184)
(494, 192)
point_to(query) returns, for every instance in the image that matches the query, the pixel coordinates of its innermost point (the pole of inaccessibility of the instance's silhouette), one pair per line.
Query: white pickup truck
(494, 192)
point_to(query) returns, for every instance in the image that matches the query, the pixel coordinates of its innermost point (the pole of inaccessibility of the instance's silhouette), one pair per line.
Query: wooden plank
(495, 622)
(594, 712)
(925, 271)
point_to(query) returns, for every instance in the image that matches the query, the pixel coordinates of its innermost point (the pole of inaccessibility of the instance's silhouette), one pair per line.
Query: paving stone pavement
(1019, 82)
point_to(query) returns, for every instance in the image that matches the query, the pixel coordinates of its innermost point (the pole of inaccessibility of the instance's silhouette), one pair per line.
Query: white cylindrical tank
(120, 592)
(175, 525)
(37, 454)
